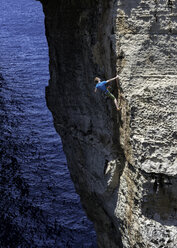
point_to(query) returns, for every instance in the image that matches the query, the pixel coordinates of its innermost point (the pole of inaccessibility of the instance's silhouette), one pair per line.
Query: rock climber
(101, 85)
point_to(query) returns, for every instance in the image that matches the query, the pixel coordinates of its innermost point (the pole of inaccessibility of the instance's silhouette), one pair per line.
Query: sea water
(39, 206)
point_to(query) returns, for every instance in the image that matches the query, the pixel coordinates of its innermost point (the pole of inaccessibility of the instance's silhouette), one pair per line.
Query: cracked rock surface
(123, 164)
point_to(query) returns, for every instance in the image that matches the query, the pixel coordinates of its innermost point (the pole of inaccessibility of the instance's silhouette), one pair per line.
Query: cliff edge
(123, 164)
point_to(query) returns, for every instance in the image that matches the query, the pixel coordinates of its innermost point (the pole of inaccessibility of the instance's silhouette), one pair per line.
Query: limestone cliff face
(123, 164)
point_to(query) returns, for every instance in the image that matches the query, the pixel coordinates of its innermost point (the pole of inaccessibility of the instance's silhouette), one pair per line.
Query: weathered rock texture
(123, 164)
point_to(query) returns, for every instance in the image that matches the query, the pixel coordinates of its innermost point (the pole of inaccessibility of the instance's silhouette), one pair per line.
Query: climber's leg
(116, 103)
(108, 93)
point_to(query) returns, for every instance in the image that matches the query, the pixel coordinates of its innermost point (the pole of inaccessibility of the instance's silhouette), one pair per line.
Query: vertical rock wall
(122, 164)
(147, 42)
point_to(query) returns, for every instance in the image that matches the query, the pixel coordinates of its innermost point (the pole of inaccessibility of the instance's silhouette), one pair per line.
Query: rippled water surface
(39, 206)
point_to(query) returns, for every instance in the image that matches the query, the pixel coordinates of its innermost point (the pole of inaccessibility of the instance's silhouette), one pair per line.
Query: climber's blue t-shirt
(102, 86)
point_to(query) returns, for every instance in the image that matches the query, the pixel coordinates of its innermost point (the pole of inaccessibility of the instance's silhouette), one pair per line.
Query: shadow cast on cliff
(160, 201)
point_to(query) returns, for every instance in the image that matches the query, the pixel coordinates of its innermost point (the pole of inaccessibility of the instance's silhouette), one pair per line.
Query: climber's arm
(95, 89)
(112, 79)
